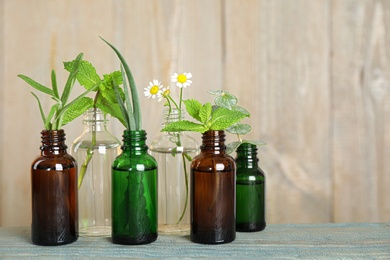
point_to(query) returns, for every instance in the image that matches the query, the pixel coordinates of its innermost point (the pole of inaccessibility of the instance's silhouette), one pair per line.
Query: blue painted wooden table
(303, 241)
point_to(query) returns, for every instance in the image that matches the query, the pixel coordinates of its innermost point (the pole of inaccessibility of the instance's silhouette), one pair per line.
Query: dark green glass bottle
(250, 190)
(134, 192)
(213, 192)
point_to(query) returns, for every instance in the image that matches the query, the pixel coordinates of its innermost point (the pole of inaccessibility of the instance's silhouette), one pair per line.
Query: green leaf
(113, 109)
(226, 100)
(53, 110)
(37, 85)
(54, 84)
(222, 118)
(205, 113)
(71, 79)
(40, 109)
(193, 107)
(215, 92)
(77, 109)
(122, 107)
(184, 125)
(242, 110)
(116, 76)
(240, 129)
(230, 148)
(254, 142)
(86, 76)
(136, 111)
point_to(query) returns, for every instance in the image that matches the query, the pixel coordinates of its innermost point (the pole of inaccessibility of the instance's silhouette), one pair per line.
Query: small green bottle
(134, 192)
(250, 190)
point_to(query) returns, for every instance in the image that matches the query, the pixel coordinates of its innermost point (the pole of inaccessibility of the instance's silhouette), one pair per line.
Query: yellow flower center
(154, 90)
(166, 93)
(182, 78)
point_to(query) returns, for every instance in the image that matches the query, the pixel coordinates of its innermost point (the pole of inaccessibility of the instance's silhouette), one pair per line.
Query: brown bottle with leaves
(54, 192)
(213, 192)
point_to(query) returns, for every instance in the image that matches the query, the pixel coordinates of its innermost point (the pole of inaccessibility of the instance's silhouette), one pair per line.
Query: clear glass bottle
(134, 192)
(250, 185)
(213, 192)
(95, 151)
(54, 193)
(173, 152)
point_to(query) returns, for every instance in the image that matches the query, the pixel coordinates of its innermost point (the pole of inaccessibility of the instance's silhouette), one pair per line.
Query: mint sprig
(105, 97)
(209, 118)
(61, 112)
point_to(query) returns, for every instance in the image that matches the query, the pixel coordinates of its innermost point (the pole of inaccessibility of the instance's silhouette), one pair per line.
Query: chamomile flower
(154, 89)
(182, 80)
(164, 93)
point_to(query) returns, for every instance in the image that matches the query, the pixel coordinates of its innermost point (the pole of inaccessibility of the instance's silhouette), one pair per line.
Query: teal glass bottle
(250, 190)
(213, 193)
(134, 192)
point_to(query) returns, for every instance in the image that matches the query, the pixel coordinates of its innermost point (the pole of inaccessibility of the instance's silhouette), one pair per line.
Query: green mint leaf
(222, 118)
(184, 125)
(77, 109)
(230, 148)
(254, 142)
(205, 113)
(37, 85)
(113, 109)
(115, 76)
(193, 107)
(86, 76)
(240, 129)
(226, 100)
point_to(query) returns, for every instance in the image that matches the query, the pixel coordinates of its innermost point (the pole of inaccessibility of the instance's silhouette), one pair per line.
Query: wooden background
(315, 75)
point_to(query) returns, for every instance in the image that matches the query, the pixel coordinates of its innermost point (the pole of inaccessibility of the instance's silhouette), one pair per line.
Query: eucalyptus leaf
(254, 142)
(226, 100)
(231, 147)
(240, 129)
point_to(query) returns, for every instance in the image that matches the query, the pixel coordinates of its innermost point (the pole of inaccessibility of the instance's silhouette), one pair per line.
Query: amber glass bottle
(250, 196)
(134, 192)
(54, 192)
(213, 192)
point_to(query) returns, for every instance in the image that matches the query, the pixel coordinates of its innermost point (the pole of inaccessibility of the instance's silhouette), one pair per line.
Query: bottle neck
(247, 155)
(134, 141)
(94, 120)
(213, 142)
(53, 142)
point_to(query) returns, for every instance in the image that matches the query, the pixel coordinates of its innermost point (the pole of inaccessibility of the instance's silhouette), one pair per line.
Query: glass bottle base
(96, 231)
(174, 229)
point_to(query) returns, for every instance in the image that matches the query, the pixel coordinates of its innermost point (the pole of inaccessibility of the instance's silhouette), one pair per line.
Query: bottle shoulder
(167, 142)
(129, 160)
(54, 162)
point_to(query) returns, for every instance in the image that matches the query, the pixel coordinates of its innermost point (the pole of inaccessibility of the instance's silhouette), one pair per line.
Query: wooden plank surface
(300, 241)
(314, 75)
(361, 110)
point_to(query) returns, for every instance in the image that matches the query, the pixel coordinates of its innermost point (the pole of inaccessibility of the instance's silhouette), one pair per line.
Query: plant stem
(186, 181)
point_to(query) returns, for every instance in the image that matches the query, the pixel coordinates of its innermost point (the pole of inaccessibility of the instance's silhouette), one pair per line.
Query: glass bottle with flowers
(173, 152)
(134, 173)
(54, 173)
(213, 172)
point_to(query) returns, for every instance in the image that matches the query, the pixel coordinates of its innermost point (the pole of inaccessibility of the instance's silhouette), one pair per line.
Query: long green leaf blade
(128, 101)
(54, 84)
(133, 88)
(71, 79)
(36, 85)
(40, 109)
(122, 106)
